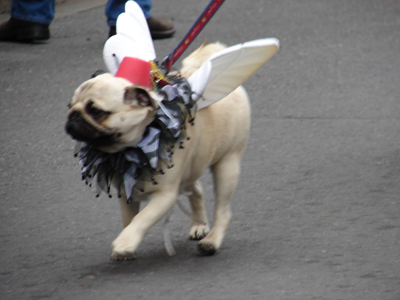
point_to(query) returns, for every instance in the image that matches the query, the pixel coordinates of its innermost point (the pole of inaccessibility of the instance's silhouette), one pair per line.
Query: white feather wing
(229, 68)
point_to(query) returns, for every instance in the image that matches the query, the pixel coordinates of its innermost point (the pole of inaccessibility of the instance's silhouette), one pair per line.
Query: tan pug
(112, 114)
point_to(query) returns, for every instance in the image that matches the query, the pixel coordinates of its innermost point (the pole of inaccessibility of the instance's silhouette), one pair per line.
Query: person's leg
(146, 6)
(37, 11)
(115, 7)
(30, 20)
(159, 27)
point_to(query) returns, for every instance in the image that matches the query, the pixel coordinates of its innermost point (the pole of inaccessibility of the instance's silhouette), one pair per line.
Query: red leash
(191, 35)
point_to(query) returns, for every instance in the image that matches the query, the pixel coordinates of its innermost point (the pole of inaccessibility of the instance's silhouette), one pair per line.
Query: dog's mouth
(82, 130)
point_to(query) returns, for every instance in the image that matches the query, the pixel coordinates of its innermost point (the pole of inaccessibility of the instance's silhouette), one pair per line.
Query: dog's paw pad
(122, 257)
(198, 232)
(206, 248)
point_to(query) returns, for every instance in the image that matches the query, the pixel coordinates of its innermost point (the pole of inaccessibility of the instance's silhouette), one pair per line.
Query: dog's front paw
(197, 232)
(121, 250)
(118, 256)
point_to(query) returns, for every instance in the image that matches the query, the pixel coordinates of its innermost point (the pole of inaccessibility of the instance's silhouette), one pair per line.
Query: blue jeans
(38, 11)
(115, 7)
(42, 11)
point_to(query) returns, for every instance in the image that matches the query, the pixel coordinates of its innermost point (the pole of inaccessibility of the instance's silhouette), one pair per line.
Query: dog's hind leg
(199, 225)
(226, 174)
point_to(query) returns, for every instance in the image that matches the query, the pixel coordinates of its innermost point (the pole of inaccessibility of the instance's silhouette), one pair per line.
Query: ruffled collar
(130, 168)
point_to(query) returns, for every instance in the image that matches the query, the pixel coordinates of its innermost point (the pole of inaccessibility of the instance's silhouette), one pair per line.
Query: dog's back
(197, 58)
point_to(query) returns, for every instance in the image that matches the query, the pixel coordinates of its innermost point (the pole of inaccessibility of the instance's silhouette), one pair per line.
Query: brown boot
(160, 28)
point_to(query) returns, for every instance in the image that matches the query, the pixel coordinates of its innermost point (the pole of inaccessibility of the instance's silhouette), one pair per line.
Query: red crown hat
(135, 70)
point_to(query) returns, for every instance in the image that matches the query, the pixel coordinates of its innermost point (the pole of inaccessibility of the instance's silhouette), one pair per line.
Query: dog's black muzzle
(79, 129)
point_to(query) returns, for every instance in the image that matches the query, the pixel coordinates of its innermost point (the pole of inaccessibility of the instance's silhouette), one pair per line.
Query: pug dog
(112, 114)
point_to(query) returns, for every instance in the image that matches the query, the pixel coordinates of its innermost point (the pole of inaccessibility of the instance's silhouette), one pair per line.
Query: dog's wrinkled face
(110, 113)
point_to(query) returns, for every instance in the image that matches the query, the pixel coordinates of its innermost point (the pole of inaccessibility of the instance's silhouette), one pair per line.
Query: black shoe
(160, 28)
(113, 31)
(23, 31)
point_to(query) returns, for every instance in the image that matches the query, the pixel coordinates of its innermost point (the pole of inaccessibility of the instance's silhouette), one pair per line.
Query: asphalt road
(316, 213)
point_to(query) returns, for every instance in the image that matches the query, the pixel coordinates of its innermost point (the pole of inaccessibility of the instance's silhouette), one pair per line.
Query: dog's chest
(139, 196)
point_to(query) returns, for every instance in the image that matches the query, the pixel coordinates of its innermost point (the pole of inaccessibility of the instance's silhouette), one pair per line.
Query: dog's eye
(95, 112)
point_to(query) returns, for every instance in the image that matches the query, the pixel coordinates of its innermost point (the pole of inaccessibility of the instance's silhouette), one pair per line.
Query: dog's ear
(135, 95)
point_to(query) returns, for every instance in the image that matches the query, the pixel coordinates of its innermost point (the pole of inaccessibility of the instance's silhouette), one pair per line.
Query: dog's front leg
(125, 245)
(128, 211)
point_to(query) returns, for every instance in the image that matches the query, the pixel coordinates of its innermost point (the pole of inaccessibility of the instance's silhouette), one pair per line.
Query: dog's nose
(74, 119)
(74, 116)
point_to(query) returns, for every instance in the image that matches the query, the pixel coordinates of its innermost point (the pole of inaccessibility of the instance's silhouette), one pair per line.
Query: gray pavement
(316, 214)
